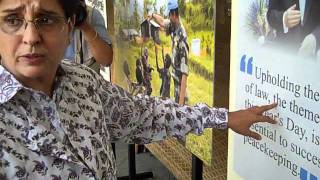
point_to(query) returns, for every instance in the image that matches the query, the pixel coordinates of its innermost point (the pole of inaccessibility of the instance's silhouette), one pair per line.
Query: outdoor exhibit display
(147, 60)
(276, 58)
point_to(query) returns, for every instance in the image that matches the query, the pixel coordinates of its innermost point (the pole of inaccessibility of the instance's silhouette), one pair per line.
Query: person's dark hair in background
(69, 7)
(81, 13)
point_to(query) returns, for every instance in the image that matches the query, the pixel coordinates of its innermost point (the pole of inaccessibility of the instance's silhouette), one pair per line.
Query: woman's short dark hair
(69, 7)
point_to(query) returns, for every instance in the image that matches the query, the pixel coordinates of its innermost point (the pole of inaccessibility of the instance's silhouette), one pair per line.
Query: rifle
(163, 56)
(156, 52)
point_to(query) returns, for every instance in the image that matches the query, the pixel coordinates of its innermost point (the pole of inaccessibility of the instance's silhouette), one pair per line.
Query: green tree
(200, 14)
(162, 10)
(209, 6)
(147, 5)
(136, 16)
(155, 7)
(182, 7)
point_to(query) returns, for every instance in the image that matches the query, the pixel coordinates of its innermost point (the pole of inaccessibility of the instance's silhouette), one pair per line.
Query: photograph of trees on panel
(167, 53)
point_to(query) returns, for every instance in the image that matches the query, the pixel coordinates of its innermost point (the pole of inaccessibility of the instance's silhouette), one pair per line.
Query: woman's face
(34, 49)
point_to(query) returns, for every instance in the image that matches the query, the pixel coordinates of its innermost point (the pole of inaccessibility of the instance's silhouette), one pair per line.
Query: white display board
(264, 72)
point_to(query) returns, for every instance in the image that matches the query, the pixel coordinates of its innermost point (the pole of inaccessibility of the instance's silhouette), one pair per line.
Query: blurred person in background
(90, 43)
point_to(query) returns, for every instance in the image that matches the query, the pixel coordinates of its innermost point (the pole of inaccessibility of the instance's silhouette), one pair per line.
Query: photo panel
(147, 60)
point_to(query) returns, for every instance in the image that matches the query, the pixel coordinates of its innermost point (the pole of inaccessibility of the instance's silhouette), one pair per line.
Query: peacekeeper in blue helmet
(180, 49)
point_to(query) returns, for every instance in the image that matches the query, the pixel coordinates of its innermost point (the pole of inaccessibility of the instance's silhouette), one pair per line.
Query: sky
(159, 4)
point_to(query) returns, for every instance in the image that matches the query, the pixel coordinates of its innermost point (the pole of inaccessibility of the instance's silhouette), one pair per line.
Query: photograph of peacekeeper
(297, 24)
(180, 49)
(143, 25)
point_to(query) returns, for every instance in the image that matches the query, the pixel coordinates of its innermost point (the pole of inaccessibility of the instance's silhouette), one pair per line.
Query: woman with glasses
(57, 119)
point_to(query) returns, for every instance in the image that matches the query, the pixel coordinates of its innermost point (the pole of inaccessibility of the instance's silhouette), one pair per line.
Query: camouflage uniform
(147, 72)
(180, 51)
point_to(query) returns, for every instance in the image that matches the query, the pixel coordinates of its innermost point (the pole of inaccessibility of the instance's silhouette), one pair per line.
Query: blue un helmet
(172, 4)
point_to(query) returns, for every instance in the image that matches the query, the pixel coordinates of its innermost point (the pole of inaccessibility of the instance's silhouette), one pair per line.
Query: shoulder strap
(78, 47)
(80, 57)
(81, 48)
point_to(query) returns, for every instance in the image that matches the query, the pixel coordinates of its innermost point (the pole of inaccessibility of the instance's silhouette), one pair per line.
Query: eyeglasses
(47, 23)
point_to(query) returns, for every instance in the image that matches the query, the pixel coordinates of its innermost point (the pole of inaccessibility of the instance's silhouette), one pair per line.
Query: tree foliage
(136, 17)
(199, 13)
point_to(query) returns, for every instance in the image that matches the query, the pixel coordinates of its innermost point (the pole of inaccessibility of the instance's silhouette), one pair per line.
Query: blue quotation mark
(246, 67)
(304, 175)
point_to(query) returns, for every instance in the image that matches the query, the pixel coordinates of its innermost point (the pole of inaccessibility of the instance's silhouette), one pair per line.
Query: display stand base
(132, 167)
(197, 168)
